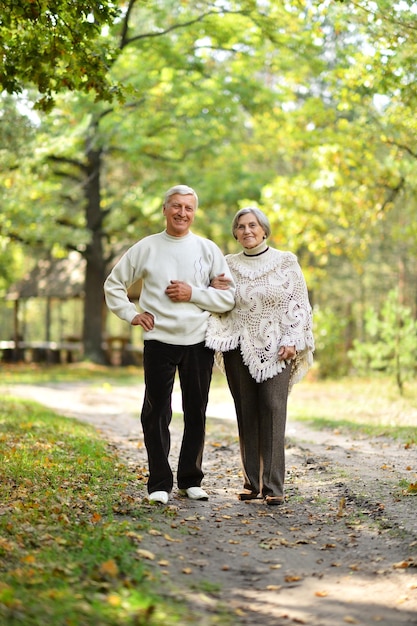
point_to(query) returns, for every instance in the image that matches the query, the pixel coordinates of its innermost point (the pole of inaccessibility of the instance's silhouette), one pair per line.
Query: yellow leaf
(134, 536)
(29, 558)
(168, 538)
(155, 532)
(274, 587)
(342, 506)
(292, 579)
(187, 570)
(114, 600)
(321, 594)
(109, 568)
(145, 554)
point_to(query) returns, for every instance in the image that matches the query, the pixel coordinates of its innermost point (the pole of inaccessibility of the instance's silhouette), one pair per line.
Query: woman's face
(249, 232)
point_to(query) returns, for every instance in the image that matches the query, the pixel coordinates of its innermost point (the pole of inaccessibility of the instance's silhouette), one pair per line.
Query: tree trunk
(95, 263)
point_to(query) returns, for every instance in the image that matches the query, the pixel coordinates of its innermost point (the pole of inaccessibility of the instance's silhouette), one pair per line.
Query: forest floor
(341, 550)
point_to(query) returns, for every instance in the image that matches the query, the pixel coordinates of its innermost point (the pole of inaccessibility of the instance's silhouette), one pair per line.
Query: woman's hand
(286, 353)
(220, 282)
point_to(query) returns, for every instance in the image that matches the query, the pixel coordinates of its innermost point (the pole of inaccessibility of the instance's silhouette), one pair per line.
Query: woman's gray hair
(260, 216)
(183, 190)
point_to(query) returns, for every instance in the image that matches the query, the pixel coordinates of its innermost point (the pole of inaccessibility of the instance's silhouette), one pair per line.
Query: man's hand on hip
(146, 320)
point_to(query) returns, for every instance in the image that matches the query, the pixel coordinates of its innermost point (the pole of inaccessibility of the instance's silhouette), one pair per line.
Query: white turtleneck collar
(257, 250)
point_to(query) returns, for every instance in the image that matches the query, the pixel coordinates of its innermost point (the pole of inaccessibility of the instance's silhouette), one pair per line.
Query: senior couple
(250, 311)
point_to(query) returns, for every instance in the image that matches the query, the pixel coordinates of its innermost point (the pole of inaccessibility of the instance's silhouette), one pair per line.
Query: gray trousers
(261, 410)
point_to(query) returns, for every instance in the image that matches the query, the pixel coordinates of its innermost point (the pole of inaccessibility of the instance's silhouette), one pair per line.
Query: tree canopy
(305, 109)
(55, 46)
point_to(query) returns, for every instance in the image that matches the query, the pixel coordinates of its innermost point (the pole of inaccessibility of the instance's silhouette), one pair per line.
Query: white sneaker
(159, 496)
(195, 493)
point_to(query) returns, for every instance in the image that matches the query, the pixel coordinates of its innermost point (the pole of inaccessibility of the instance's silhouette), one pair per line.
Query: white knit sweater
(272, 310)
(157, 260)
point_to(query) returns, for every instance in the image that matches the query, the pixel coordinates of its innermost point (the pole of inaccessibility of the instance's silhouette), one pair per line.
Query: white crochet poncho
(272, 310)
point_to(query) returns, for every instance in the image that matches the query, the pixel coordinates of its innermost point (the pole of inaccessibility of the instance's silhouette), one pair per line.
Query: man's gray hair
(260, 216)
(183, 190)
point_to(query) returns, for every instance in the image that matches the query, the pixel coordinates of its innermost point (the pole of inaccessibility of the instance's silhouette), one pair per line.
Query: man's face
(179, 213)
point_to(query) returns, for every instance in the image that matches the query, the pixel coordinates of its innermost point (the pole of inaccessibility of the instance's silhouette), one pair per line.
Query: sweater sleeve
(209, 298)
(122, 276)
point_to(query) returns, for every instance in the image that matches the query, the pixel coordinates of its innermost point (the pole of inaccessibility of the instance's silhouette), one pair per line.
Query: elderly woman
(264, 345)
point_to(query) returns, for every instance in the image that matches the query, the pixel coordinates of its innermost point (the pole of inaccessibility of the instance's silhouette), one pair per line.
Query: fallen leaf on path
(341, 508)
(402, 599)
(321, 594)
(134, 536)
(350, 620)
(292, 579)
(187, 570)
(145, 554)
(274, 587)
(168, 538)
(154, 532)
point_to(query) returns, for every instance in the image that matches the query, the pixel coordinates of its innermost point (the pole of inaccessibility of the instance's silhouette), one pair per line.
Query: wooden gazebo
(57, 280)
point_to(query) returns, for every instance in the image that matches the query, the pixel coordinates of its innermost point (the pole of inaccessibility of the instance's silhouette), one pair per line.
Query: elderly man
(176, 267)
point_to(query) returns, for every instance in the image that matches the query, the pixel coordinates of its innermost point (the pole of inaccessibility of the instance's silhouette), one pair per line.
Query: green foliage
(56, 46)
(329, 333)
(390, 344)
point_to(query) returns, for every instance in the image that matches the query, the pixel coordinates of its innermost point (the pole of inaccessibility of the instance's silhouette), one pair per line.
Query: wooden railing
(118, 351)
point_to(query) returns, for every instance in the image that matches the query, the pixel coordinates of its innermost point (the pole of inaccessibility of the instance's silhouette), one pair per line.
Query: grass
(70, 530)
(371, 407)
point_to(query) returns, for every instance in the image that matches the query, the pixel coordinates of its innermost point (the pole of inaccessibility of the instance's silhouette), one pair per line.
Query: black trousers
(261, 411)
(194, 364)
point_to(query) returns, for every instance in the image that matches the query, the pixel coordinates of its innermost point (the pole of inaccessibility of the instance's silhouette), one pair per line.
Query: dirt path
(342, 550)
